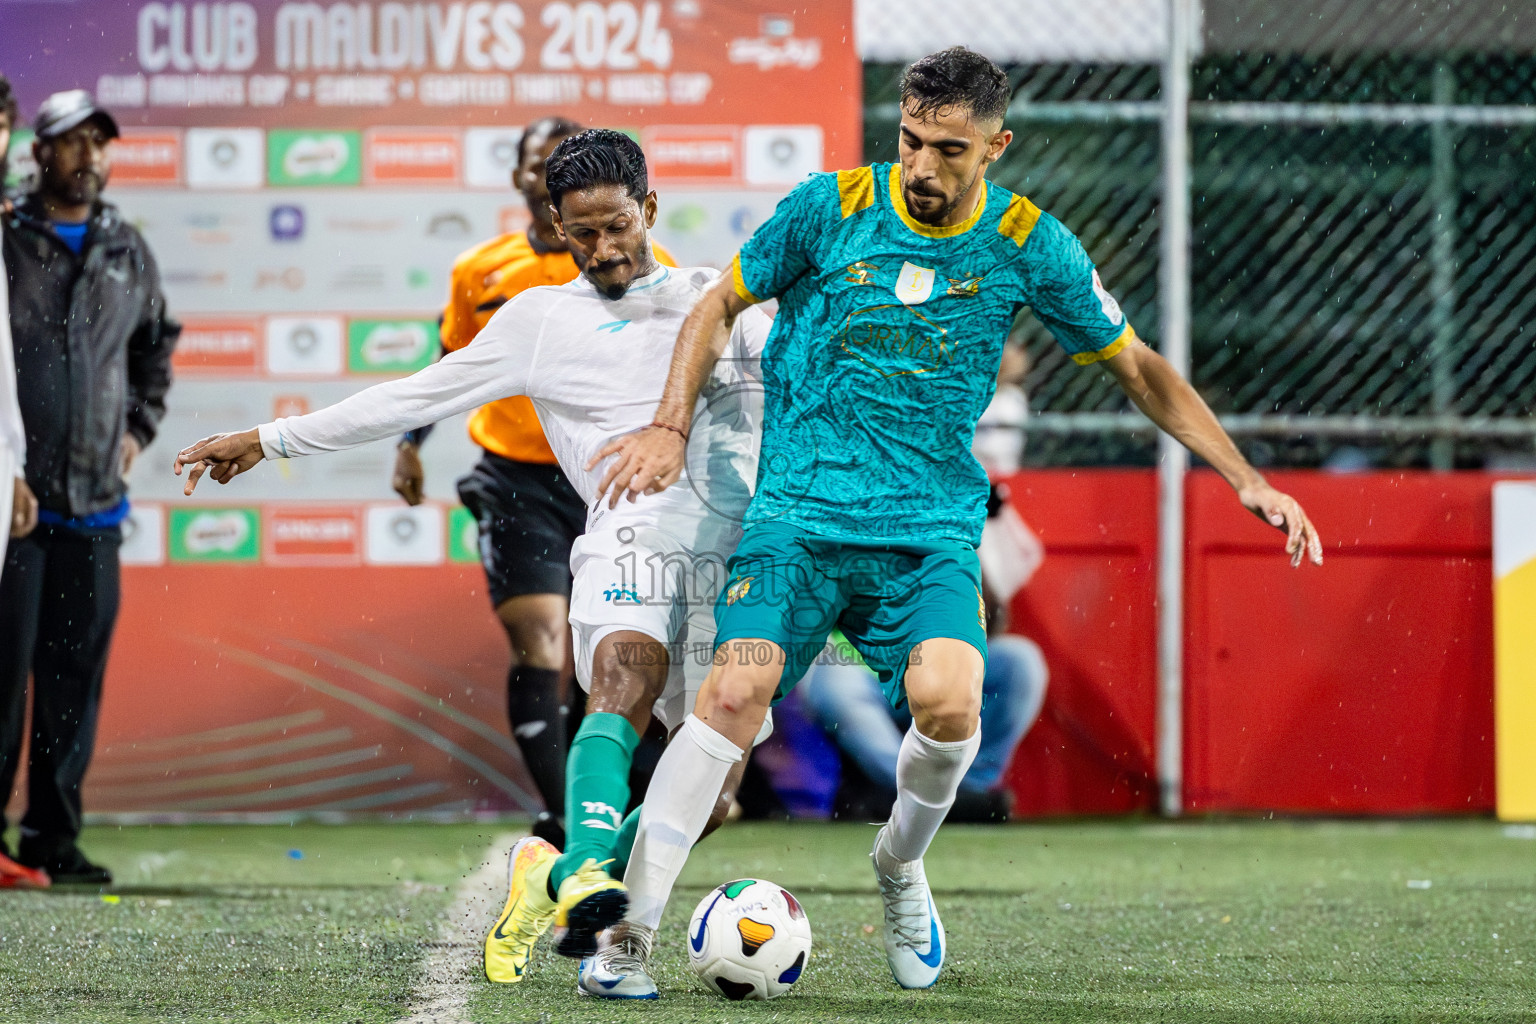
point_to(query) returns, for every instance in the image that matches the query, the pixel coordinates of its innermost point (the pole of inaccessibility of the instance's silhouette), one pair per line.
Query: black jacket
(93, 352)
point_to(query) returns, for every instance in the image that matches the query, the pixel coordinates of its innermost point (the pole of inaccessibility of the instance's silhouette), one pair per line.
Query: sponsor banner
(218, 346)
(308, 535)
(284, 64)
(490, 156)
(225, 157)
(314, 158)
(215, 535)
(390, 346)
(399, 534)
(143, 535)
(683, 153)
(307, 346)
(147, 158)
(463, 535)
(782, 154)
(410, 156)
(1514, 641)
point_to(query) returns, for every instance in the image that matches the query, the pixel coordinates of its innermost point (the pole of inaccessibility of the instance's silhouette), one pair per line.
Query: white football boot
(618, 970)
(914, 935)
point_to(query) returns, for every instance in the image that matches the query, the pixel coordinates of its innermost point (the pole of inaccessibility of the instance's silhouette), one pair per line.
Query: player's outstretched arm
(652, 459)
(1169, 401)
(225, 456)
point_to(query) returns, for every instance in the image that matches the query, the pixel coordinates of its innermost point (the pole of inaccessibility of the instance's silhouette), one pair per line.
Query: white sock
(928, 773)
(683, 791)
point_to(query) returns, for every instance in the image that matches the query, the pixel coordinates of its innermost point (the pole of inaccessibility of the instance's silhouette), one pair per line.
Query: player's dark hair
(597, 156)
(956, 77)
(550, 127)
(8, 104)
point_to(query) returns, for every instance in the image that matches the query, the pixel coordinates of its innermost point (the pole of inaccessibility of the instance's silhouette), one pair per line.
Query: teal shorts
(793, 588)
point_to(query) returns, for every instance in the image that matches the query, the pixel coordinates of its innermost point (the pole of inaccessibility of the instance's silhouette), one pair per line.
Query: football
(749, 939)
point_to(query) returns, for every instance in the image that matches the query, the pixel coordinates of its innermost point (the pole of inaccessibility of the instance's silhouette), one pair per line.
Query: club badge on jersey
(914, 284)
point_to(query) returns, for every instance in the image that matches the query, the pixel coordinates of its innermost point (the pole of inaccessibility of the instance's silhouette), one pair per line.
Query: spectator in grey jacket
(93, 363)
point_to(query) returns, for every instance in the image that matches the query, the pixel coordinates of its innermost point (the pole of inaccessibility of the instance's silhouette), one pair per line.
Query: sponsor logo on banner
(225, 157)
(312, 536)
(286, 223)
(390, 346)
(490, 156)
(217, 346)
(314, 158)
(404, 535)
(304, 345)
(449, 224)
(685, 153)
(143, 536)
(215, 535)
(781, 154)
(405, 156)
(775, 46)
(289, 405)
(463, 535)
(147, 158)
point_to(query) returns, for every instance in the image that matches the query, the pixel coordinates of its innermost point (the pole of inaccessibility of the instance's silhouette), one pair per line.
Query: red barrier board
(1091, 609)
(1363, 688)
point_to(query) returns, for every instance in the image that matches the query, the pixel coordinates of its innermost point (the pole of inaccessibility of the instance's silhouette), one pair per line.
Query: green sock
(596, 792)
(624, 843)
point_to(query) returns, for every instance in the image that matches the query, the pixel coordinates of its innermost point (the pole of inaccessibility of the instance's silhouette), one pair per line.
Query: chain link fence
(1363, 249)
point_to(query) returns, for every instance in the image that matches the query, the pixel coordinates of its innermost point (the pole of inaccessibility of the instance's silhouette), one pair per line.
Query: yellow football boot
(589, 902)
(528, 914)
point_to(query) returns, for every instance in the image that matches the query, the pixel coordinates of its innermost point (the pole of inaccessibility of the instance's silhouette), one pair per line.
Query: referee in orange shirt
(527, 512)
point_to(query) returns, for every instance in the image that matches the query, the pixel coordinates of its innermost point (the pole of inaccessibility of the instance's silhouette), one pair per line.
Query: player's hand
(23, 509)
(225, 456)
(649, 460)
(410, 478)
(130, 452)
(1283, 512)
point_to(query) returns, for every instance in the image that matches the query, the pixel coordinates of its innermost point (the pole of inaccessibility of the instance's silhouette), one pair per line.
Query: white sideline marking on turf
(456, 960)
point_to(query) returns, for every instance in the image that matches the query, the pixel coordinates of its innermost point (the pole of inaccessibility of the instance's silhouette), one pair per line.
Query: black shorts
(529, 516)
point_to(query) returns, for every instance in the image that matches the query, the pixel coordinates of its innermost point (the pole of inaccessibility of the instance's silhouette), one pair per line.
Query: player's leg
(927, 613)
(773, 618)
(1012, 693)
(625, 672)
(528, 516)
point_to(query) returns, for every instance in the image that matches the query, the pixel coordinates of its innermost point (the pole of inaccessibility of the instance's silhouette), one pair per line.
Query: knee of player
(622, 689)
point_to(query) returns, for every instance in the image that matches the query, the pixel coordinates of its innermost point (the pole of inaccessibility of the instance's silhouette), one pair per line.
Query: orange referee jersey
(483, 280)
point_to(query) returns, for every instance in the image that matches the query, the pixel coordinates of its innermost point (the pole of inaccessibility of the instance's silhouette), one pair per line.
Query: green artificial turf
(1250, 921)
(1123, 921)
(235, 923)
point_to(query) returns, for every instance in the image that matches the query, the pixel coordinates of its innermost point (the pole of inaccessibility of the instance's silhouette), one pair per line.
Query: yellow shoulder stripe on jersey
(739, 284)
(899, 204)
(1109, 351)
(856, 190)
(1018, 220)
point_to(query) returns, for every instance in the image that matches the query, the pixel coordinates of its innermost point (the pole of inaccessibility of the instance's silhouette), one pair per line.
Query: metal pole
(1442, 256)
(1173, 460)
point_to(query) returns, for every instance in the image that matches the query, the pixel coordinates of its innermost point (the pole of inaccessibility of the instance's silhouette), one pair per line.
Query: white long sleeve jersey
(595, 369)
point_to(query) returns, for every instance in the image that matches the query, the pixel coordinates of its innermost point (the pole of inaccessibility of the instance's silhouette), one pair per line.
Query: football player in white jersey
(593, 355)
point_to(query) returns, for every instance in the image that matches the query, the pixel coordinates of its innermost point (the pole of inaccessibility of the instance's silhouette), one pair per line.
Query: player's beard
(945, 210)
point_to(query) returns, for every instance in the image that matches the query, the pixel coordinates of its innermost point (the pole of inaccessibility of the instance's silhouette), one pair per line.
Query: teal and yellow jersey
(886, 346)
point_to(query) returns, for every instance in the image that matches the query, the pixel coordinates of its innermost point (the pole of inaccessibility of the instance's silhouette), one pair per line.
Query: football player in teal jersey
(897, 287)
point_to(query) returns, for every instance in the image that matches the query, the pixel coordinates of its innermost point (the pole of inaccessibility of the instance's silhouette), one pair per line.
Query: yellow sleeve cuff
(1109, 351)
(739, 284)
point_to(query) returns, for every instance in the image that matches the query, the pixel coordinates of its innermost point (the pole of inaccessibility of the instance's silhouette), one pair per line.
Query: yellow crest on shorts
(738, 590)
(981, 610)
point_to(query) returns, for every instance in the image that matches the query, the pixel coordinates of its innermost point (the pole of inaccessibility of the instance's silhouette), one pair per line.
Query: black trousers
(58, 603)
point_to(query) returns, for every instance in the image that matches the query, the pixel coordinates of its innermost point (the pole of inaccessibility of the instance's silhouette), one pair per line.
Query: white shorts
(635, 576)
